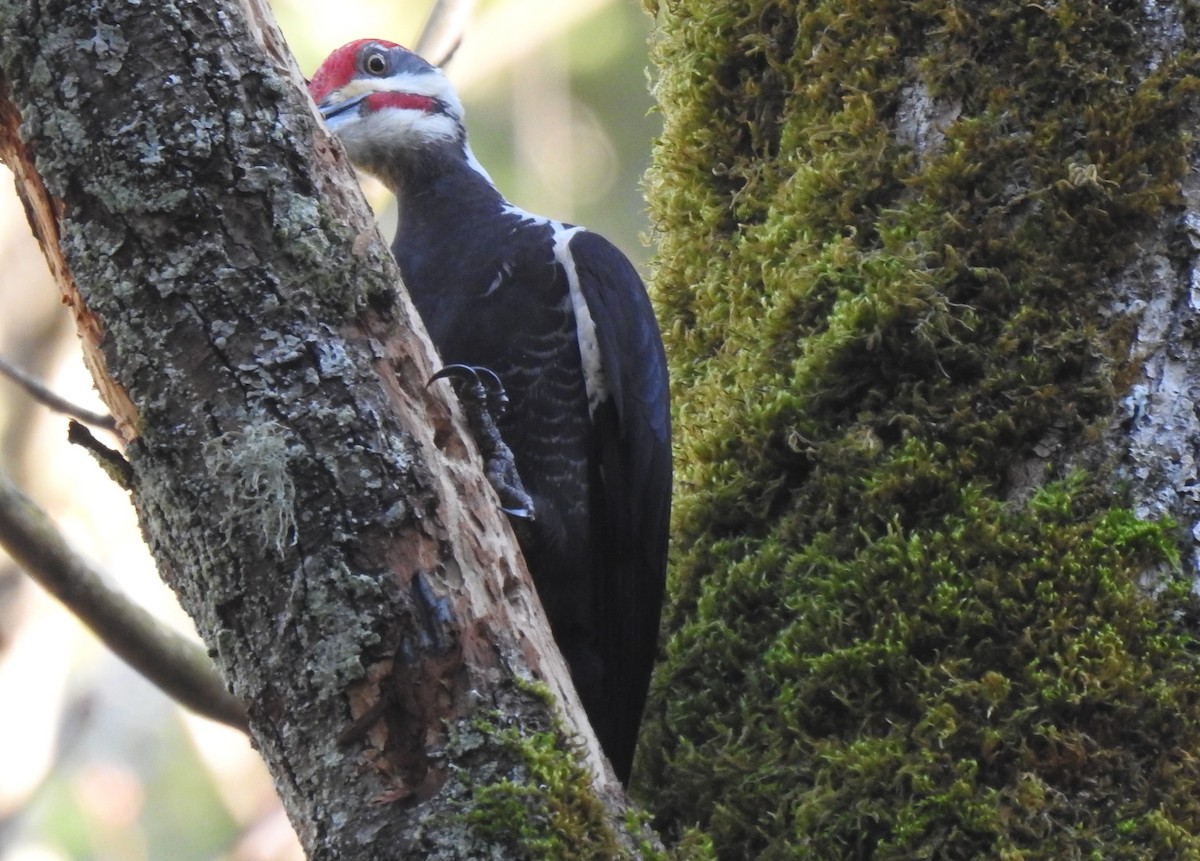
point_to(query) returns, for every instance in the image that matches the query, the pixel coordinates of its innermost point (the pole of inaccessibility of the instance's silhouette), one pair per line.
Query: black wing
(631, 481)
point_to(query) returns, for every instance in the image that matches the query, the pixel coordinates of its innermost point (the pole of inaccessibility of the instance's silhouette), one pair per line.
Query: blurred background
(94, 762)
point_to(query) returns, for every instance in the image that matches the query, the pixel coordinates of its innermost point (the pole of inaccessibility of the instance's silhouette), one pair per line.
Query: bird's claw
(519, 513)
(484, 400)
(484, 383)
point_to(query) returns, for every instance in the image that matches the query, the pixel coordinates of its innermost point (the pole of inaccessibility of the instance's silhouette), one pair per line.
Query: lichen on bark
(315, 505)
(910, 612)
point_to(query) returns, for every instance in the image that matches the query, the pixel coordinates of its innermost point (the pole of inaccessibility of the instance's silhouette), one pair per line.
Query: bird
(554, 322)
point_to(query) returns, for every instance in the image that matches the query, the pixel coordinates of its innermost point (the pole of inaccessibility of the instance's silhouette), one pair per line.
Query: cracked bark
(1157, 425)
(316, 507)
(1151, 444)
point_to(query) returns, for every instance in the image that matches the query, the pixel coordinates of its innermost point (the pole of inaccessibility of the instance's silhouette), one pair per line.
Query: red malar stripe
(409, 101)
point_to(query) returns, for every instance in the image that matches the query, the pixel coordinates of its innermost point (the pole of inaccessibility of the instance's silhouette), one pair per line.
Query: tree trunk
(315, 505)
(927, 276)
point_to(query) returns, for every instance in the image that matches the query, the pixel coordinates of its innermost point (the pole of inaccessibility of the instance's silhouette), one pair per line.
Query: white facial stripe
(408, 129)
(585, 327)
(434, 86)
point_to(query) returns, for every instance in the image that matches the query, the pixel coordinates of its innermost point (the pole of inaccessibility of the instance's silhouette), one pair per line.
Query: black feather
(492, 293)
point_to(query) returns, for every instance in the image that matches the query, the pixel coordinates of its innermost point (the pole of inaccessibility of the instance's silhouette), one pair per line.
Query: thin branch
(111, 461)
(444, 29)
(59, 404)
(173, 663)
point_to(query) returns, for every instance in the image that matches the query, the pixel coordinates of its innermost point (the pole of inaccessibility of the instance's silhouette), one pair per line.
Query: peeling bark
(317, 507)
(1157, 427)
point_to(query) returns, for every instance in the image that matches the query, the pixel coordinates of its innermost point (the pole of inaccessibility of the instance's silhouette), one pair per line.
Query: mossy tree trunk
(314, 504)
(928, 278)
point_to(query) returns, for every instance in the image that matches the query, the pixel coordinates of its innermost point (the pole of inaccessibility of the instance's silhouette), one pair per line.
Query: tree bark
(316, 507)
(927, 273)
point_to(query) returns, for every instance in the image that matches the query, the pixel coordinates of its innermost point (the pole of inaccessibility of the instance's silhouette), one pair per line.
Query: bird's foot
(484, 400)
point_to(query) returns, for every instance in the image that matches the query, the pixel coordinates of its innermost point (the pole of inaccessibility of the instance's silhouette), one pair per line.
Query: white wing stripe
(585, 327)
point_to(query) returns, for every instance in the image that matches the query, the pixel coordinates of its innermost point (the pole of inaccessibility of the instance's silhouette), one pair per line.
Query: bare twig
(170, 661)
(44, 396)
(444, 30)
(111, 461)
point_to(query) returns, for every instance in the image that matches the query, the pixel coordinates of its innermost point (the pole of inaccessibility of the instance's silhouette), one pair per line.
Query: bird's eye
(375, 63)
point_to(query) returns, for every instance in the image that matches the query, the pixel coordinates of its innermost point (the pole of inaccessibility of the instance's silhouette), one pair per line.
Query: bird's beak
(330, 109)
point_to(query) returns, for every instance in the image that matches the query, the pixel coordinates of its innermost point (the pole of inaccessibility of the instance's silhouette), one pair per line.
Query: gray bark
(316, 507)
(1152, 444)
(1157, 427)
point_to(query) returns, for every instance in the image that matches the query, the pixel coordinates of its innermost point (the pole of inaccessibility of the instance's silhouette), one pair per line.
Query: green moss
(549, 810)
(536, 801)
(885, 640)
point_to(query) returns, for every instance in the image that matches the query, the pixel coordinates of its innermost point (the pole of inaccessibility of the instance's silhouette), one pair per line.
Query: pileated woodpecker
(562, 319)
